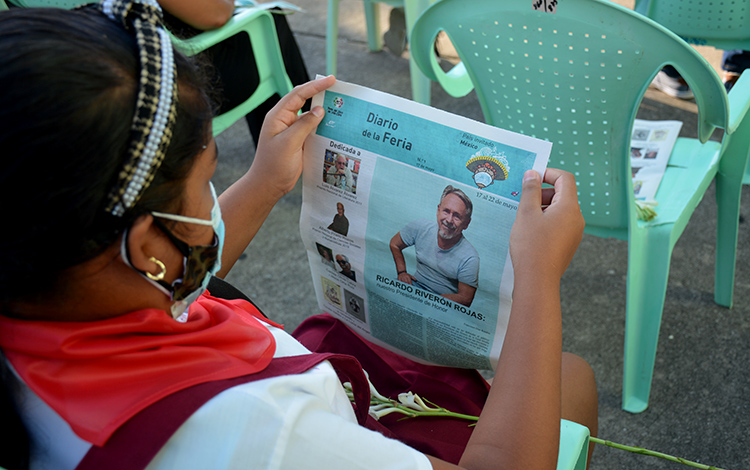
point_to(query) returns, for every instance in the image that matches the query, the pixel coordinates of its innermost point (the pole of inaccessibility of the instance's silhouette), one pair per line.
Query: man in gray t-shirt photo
(447, 264)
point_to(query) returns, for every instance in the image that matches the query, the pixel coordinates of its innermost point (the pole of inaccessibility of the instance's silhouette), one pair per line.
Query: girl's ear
(142, 237)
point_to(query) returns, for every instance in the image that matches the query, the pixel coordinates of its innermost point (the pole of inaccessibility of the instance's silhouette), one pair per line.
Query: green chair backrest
(258, 26)
(66, 4)
(721, 24)
(576, 78)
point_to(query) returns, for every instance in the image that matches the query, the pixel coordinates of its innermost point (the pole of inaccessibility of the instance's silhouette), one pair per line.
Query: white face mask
(200, 263)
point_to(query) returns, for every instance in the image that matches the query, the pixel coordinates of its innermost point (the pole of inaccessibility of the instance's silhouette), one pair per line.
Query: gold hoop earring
(160, 276)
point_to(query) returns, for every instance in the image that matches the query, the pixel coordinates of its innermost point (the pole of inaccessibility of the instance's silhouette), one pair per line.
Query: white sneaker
(673, 86)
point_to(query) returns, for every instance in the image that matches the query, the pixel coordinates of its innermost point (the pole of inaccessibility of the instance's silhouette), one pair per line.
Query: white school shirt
(302, 421)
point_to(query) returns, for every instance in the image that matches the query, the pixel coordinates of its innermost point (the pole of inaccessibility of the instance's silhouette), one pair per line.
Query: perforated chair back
(575, 78)
(66, 4)
(721, 24)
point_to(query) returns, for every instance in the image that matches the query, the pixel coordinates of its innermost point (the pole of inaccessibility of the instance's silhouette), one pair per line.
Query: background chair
(258, 25)
(420, 84)
(576, 78)
(704, 23)
(255, 23)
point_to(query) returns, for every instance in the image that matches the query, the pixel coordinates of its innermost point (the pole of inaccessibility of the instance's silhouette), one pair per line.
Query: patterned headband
(155, 111)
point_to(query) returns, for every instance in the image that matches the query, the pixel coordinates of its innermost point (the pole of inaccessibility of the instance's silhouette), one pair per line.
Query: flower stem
(642, 451)
(412, 405)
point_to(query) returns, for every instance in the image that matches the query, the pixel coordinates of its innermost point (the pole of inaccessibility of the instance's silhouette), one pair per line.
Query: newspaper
(650, 148)
(374, 172)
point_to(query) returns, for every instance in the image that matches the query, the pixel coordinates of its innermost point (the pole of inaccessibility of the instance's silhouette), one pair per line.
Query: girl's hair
(69, 81)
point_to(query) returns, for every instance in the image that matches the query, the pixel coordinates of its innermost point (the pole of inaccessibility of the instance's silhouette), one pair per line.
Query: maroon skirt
(459, 390)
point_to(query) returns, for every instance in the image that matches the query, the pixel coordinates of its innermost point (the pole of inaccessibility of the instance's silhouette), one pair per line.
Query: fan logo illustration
(335, 110)
(488, 166)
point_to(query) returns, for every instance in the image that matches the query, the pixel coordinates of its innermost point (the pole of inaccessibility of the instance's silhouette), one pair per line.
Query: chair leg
(420, 84)
(372, 20)
(332, 36)
(648, 272)
(728, 194)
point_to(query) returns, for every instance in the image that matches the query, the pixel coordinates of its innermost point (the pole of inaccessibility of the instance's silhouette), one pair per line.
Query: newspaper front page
(375, 172)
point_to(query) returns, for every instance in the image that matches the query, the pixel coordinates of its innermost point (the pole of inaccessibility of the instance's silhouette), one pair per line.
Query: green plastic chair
(66, 4)
(256, 23)
(420, 84)
(704, 23)
(576, 78)
(723, 25)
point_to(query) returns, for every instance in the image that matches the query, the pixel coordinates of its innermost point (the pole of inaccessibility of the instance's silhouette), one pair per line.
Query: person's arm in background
(200, 14)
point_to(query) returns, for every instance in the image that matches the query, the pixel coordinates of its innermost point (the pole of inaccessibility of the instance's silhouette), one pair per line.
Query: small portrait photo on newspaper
(326, 256)
(345, 267)
(341, 171)
(340, 223)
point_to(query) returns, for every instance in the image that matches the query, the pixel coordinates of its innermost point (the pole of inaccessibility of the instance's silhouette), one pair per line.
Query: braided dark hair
(69, 83)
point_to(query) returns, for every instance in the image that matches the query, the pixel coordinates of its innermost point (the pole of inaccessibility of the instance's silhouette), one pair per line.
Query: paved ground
(699, 406)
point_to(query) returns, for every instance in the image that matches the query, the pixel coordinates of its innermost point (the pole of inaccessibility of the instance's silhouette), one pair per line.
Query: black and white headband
(155, 111)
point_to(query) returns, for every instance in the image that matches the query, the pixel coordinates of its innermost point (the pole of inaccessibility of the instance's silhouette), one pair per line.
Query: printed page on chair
(406, 217)
(650, 149)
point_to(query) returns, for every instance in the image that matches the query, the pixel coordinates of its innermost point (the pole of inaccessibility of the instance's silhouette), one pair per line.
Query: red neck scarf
(98, 374)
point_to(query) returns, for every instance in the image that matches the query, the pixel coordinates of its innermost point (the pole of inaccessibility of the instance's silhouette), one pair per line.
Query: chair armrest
(574, 446)
(739, 101)
(456, 82)
(206, 39)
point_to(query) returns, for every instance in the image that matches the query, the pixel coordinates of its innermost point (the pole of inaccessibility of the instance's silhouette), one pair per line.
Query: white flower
(373, 391)
(378, 411)
(408, 400)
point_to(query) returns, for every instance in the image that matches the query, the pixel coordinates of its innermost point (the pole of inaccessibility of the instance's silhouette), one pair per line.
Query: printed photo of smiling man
(447, 264)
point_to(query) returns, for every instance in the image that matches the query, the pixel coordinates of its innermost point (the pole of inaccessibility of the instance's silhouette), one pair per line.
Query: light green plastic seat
(723, 25)
(256, 23)
(574, 446)
(576, 78)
